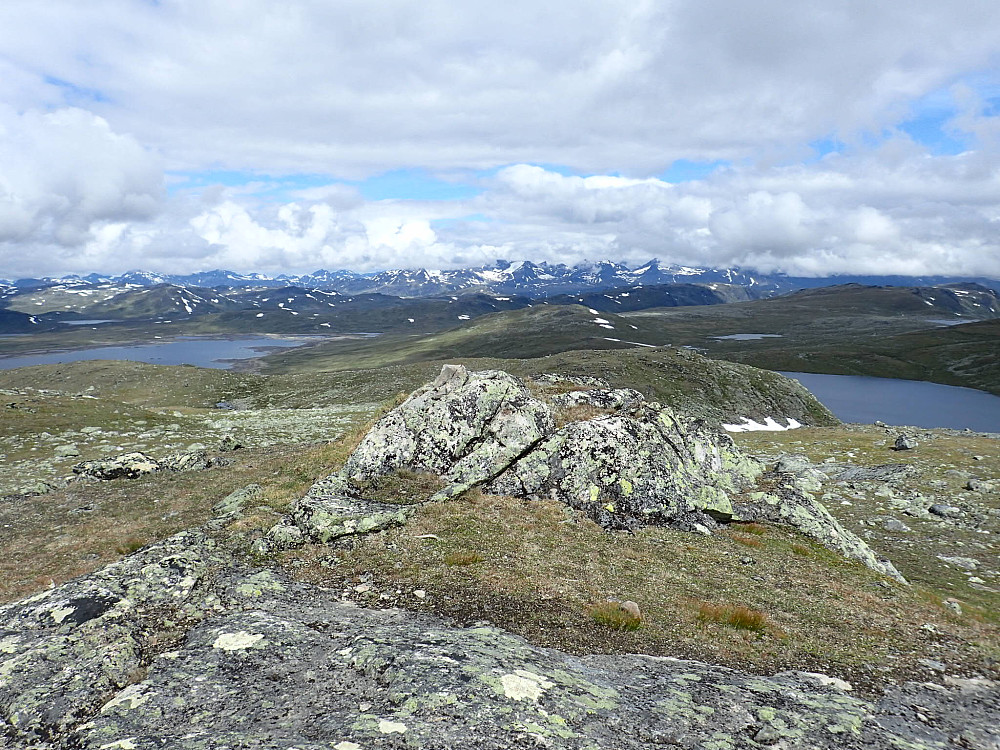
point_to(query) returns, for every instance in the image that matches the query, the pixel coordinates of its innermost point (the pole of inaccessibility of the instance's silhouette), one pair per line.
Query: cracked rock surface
(177, 646)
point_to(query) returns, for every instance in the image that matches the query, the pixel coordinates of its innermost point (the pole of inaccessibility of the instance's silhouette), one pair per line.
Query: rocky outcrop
(635, 468)
(125, 466)
(136, 464)
(640, 464)
(178, 647)
(467, 427)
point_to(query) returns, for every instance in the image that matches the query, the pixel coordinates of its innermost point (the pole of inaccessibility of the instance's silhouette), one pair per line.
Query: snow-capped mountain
(536, 280)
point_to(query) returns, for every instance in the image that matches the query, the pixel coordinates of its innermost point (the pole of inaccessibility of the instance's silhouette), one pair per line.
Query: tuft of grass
(747, 541)
(564, 415)
(732, 615)
(612, 615)
(130, 545)
(753, 528)
(462, 557)
(801, 550)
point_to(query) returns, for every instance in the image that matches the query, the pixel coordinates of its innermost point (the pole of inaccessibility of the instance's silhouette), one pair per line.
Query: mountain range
(503, 277)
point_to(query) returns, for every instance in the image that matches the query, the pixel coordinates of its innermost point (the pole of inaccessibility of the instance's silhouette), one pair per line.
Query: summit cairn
(630, 463)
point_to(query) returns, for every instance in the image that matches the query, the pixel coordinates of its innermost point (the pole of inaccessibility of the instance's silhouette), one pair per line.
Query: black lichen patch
(87, 608)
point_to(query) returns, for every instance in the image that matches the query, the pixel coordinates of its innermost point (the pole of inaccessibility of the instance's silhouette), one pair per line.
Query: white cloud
(99, 94)
(61, 174)
(357, 87)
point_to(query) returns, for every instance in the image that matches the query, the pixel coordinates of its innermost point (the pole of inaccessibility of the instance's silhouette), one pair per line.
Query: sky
(812, 137)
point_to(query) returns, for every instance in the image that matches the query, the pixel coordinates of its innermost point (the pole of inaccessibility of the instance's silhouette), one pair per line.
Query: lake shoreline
(141, 350)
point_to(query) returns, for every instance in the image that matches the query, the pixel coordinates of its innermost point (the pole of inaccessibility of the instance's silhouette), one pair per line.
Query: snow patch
(770, 425)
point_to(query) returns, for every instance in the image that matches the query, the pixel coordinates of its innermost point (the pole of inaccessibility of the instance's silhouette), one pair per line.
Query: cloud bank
(852, 137)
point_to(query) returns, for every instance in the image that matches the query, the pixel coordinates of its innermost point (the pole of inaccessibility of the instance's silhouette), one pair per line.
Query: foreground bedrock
(176, 646)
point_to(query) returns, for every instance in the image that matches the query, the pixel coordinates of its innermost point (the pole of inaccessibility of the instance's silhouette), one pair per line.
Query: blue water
(184, 350)
(903, 402)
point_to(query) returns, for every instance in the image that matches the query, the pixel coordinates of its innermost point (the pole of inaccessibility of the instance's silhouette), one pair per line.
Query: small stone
(931, 664)
(945, 511)
(420, 593)
(229, 443)
(67, 451)
(362, 588)
(892, 524)
(905, 443)
(953, 606)
(632, 608)
(767, 735)
(966, 563)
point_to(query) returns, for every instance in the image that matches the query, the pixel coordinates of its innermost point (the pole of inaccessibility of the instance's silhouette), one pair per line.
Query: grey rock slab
(271, 663)
(945, 511)
(324, 519)
(882, 473)
(966, 563)
(894, 524)
(64, 651)
(234, 503)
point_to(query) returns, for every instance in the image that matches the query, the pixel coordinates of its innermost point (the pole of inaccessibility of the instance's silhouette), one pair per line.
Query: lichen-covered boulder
(467, 427)
(630, 470)
(638, 465)
(186, 461)
(125, 466)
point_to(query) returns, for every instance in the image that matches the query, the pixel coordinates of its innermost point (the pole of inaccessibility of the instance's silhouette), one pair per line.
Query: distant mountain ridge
(503, 277)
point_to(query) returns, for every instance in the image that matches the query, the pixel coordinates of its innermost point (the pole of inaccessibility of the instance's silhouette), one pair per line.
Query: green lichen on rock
(633, 469)
(265, 661)
(465, 426)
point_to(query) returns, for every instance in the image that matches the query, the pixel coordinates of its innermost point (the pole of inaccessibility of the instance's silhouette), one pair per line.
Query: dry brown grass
(402, 487)
(131, 544)
(747, 541)
(543, 567)
(612, 615)
(462, 557)
(732, 615)
(564, 415)
(69, 532)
